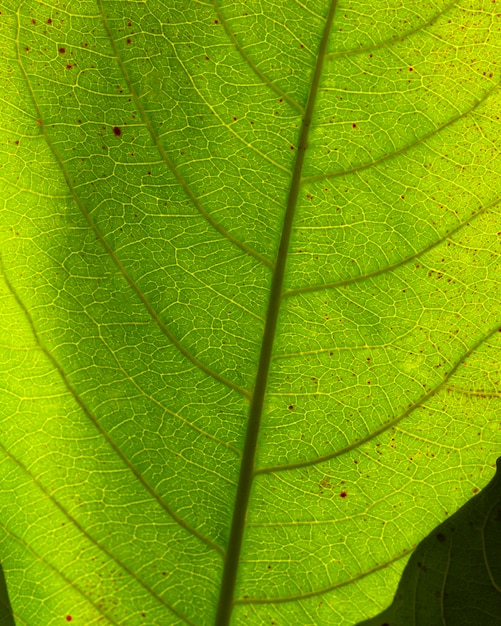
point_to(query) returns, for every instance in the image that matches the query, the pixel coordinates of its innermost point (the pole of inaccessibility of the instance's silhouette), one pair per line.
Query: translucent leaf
(454, 575)
(249, 302)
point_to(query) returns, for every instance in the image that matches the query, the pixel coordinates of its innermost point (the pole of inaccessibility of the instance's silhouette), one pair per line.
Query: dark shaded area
(6, 616)
(454, 575)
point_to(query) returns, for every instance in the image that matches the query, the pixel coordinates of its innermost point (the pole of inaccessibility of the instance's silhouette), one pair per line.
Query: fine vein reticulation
(154, 315)
(374, 249)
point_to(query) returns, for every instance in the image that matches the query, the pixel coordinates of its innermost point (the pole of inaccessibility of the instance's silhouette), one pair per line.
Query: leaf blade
(167, 234)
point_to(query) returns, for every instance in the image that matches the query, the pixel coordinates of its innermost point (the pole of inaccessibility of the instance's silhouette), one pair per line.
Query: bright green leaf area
(250, 259)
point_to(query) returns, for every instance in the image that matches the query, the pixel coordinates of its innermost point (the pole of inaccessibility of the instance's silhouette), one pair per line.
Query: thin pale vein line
(251, 63)
(204, 368)
(169, 411)
(318, 592)
(389, 42)
(390, 268)
(416, 142)
(229, 127)
(58, 572)
(294, 355)
(494, 505)
(356, 444)
(98, 426)
(475, 392)
(167, 160)
(246, 477)
(443, 593)
(311, 12)
(33, 192)
(89, 537)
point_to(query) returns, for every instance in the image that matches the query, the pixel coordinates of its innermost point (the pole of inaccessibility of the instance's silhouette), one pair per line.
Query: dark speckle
(291, 407)
(128, 42)
(440, 537)
(117, 131)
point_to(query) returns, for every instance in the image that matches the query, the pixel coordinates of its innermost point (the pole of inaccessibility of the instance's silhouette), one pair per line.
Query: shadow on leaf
(6, 616)
(454, 576)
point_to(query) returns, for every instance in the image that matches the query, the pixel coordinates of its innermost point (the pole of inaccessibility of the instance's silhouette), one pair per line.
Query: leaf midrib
(247, 472)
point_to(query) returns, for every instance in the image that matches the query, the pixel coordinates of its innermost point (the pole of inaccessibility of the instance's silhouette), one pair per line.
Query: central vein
(225, 604)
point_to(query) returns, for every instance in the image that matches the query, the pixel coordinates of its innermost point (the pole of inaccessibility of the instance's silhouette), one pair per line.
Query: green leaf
(454, 575)
(249, 302)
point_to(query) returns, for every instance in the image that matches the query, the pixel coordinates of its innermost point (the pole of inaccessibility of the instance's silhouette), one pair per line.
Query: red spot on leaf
(411, 69)
(62, 50)
(69, 618)
(216, 21)
(291, 407)
(128, 42)
(69, 67)
(354, 125)
(33, 22)
(49, 21)
(343, 494)
(117, 131)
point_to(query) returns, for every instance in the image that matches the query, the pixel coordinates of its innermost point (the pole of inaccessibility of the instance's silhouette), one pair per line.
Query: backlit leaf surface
(248, 249)
(454, 575)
